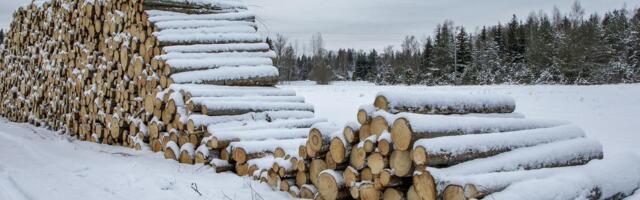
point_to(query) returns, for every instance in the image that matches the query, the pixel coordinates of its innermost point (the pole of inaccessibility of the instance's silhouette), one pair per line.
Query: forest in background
(560, 48)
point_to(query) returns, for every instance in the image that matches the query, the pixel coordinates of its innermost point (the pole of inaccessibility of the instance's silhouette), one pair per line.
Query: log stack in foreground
(436, 146)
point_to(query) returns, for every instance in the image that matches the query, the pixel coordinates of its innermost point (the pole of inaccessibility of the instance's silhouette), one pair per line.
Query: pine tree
(616, 25)
(443, 50)
(633, 52)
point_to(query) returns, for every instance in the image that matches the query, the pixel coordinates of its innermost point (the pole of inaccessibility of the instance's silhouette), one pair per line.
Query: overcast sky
(366, 24)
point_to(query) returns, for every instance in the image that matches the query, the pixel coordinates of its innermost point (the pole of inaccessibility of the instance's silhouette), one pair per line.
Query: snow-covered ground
(39, 164)
(608, 113)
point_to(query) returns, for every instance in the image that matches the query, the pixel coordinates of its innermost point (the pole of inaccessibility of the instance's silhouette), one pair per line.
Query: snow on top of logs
(263, 134)
(452, 103)
(260, 116)
(197, 4)
(160, 16)
(210, 48)
(259, 75)
(178, 55)
(257, 106)
(458, 145)
(197, 90)
(269, 145)
(442, 123)
(268, 161)
(617, 176)
(295, 123)
(296, 99)
(556, 154)
(186, 24)
(204, 38)
(186, 64)
(208, 30)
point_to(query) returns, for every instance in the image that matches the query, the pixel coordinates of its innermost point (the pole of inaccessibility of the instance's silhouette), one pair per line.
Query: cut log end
(337, 150)
(400, 162)
(425, 186)
(379, 125)
(419, 155)
(381, 103)
(328, 187)
(453, 192)
(401, 134)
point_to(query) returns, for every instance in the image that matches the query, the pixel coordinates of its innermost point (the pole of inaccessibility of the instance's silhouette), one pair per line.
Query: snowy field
(39, 164)
(608, 113)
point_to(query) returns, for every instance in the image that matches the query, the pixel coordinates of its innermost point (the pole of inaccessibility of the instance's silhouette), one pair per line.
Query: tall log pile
(193, 80)
(411, 145)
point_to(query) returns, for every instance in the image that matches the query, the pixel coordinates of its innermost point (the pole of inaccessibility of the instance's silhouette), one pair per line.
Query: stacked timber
(189, 78)
(435, 146)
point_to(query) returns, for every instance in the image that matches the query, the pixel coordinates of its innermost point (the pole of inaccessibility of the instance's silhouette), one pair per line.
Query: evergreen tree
(616, 25)
(1, 36)
(443, 50)
(633, 52)
(463, 51)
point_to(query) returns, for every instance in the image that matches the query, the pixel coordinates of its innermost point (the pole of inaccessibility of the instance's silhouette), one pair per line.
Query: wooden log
(446, 151)
(187, 153)
(315, 168)
(557, 154)
(171, 151)
(331, 185)
(350, 132)
(400, 162)
(224, 138)
(364, 114)
(320, 137)
(247, 150)
(411, 127)
(308, 191)
(443, 103)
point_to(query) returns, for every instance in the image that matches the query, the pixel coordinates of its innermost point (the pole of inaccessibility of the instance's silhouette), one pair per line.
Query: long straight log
(443, 103)
(447, 151)
(411, 127)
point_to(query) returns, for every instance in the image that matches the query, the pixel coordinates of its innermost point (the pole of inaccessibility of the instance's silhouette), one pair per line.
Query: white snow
(197, 90)
(457, 102)
(257, 106)
(458, 145)
(179, 55)
(472, 125)
(268, 145)
(172, 16)
(187, 24)
(211, 48)
(234, 126)
(226, 74)
(214, 62)
(615, 178)
(263, 134)
(540, 156)
(40, 164)
(296, 99)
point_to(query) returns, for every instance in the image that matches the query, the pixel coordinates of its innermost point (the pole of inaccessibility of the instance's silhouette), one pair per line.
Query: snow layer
(545, 155)
(268, 145)
(472, 125)
(257, 106)
(187, 24)
(619, 177)
(197, 90)
(458, 145)
(209, 48)
(199, 120)
(459, 103)
(297, 99)
(178, 55)
(263, 134)
(173, 16)
(235, 126)
(227, 74)
(208, 63)
(40, 164)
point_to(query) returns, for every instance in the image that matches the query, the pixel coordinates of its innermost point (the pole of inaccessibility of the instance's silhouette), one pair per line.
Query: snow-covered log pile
(404, 138)
(190, 78)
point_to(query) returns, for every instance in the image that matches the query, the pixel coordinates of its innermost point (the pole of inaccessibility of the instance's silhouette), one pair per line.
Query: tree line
(569, 48)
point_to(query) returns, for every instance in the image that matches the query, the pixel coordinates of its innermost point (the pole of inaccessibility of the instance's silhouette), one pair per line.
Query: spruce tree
(633, 54)
(1, 36)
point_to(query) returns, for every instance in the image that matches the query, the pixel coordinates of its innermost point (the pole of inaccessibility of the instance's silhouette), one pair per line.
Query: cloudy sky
(369, 24)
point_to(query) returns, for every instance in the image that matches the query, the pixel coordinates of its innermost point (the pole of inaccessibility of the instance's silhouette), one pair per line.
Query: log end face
(400, 162)
(381, 103)
(328, 186)
(401, 134)
(453, 192)
(362, 117)
(419, 155)
(337, 150)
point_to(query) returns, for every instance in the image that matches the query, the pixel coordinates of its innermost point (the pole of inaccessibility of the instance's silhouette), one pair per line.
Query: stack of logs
(191, 78)
(426, 146)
